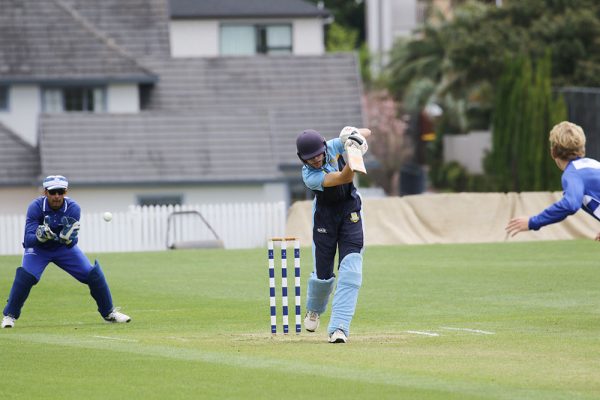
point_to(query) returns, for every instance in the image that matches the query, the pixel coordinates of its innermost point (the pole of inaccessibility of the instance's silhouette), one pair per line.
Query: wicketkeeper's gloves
(70, 229)
(43, 233)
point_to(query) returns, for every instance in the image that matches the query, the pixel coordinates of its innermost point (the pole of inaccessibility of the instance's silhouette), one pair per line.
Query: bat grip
(356, 139)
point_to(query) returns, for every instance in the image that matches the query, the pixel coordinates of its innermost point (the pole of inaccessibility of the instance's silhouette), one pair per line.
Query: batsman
(51, 235)
(337, 226)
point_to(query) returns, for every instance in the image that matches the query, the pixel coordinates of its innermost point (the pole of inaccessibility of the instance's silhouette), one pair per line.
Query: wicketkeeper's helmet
(310, 144)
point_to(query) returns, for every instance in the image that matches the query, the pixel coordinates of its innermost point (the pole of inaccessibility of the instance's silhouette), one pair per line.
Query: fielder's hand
(70, 229)
(516, 225)
(357, 140)
(346, 132)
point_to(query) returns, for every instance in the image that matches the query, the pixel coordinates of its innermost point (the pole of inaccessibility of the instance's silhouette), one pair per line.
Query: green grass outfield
(485, 321)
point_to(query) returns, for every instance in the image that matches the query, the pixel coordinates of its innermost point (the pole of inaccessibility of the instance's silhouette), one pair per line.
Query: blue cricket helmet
(310, 144)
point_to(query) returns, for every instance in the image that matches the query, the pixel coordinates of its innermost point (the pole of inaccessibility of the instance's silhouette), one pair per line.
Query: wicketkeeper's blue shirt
(581, 185)
(38, 210)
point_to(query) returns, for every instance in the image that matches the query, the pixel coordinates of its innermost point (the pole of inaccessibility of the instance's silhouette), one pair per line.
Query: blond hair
(567, 141)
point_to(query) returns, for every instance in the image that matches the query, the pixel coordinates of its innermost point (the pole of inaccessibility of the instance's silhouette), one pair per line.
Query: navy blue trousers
(335, 230)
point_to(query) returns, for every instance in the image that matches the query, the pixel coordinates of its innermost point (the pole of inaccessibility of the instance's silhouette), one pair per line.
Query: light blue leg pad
(318, 292)
(346, 293)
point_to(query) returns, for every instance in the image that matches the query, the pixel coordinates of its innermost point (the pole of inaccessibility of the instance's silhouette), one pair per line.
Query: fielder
(337, 225)
(51, 230)
(580, 181)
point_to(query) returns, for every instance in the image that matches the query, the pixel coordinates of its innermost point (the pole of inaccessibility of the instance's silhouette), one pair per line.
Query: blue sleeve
(73, 211)
(34, 218)
(569, 204)
(337, 146)
(313, 178)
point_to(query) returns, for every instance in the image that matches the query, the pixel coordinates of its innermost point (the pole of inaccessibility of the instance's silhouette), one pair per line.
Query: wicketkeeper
(51, 230)
(337, 225)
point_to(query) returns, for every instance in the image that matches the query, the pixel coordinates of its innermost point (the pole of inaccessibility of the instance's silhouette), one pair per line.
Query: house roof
(221, 119)
(97, 149)
(32, 49)
(243, 9)
(210, 120)
(141, 27)
(19, 161)
(319, 92)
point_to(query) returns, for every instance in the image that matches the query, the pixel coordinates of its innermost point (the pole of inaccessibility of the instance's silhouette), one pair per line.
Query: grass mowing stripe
(424, 333)
(448, 328)
(352, 374)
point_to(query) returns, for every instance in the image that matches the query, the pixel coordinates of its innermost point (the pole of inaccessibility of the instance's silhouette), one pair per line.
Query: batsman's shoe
(8, 321)
(117, 317)
(338, 337)
(311, 321)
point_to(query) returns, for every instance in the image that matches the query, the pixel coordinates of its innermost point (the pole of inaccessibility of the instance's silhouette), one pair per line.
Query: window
(238, 40)
(256, 39)
(3, 98)
(275, 39)
(145, 96)
(74, 98)
(160, 200)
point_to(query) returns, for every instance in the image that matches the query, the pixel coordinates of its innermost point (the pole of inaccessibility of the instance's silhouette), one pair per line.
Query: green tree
(341, 38)
(465, 55)
(349, 14)
(524, 112)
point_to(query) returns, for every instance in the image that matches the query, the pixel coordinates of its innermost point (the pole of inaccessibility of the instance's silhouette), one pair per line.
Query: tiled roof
(225, 119)
(141, 27)
(211, 120)
(231, 145)
(19, 161)
(51, 41)
(245, 8)
(319, 92)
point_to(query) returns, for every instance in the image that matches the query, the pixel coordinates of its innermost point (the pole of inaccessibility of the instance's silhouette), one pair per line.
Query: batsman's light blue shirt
(313, 177)
(581, 185)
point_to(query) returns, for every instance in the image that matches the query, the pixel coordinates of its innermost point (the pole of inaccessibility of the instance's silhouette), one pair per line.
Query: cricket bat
(355, 159)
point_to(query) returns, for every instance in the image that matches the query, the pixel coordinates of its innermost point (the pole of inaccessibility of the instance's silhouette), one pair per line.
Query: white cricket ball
(107, 216)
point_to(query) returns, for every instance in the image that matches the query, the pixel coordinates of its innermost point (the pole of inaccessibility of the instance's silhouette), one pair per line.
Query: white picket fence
(238, 225)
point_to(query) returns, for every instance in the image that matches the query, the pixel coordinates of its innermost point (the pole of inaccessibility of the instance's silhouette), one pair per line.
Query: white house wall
(200, 38)
(308, 37)
(15, 200)
(120, 198)
(469, 150)
(123, 98)
(23, 109)
(194, 38)
(386, 21)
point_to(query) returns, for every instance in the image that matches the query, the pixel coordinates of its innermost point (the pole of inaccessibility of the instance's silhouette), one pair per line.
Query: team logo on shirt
(354, 217)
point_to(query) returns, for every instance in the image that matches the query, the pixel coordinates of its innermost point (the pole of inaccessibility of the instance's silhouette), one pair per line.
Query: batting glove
(43, 233)
(346, 132)
(70, 229)
(357, 140)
